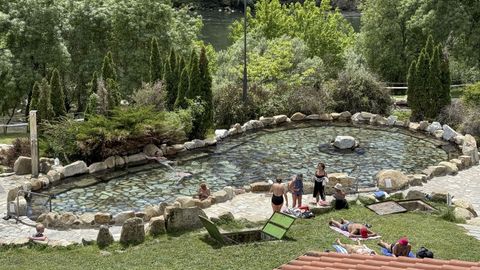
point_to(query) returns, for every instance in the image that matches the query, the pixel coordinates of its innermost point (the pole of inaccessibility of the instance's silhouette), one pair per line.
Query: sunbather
(400, 248)
(356, 249)
(354, 229)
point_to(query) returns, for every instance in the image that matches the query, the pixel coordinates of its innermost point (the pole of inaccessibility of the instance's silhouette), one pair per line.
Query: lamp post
(244, 96)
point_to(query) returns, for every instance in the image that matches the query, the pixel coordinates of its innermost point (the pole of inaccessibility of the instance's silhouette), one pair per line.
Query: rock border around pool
(389, 180)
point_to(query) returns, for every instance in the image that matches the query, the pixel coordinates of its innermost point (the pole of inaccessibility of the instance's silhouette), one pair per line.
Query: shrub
(125, 132)
(358, 90)
(453, 114)
(471, 95)
(150, 94)
(21, 147)
(471, 124)
(449, 215)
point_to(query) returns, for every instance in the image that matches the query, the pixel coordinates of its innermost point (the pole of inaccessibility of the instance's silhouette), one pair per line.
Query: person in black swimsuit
(320, 180)
(278, 190)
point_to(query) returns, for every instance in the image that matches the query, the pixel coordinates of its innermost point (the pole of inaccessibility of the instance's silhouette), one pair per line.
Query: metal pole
(244, 51)
(34, 143)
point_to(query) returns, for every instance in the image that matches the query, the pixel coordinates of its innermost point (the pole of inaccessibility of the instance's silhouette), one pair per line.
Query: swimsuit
(344, 227)
(298, 185)
(277, 200)
(318, 188)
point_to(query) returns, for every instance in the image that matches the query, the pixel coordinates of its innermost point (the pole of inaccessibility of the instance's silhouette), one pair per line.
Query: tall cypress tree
(194, 88)
(206, 89)
(434, 105)
(445, 98)
(92, 105)
(181, 102)
(45, 110)
(109, 77)
(156, 67)
(93, 85)
(171, 80)
(35, 97)
(56, 95)
(108, 68)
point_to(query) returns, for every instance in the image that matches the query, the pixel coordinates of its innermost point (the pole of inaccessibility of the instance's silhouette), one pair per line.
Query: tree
(35, 97)
(93, 85)
(56, 95)
(108, 68)
(92, 105)
(206, 89)
(171, 80)
(181, 101)
(45, 109)
(156, 69)
(194, 86)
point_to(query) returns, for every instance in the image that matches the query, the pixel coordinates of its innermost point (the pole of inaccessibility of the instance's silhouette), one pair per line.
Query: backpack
(424, 253)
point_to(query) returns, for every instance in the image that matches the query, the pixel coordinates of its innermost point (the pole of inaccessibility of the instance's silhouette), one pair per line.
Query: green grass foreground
(194, 251)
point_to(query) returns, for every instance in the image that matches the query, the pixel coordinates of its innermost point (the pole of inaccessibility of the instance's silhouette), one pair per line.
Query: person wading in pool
(279, 192)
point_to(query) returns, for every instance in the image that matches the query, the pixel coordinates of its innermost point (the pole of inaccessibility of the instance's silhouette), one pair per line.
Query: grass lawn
(194, 251)
(8, 138)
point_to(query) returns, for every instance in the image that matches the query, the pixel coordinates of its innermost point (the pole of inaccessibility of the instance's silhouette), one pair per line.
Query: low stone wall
(389, 180)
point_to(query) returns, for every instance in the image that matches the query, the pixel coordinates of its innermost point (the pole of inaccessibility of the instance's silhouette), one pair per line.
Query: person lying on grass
(354, 229)
(356, 249)
(400, 248)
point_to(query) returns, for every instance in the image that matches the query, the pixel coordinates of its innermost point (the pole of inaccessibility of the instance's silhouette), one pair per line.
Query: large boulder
(344, 116)
(459, 139)
(104, 237)
(226, 217)
(315, 117)
(465, 205)
(267, 121)
(415, 194)
(220, 196)
(434, 171)
(414, 126)
(221, 134)
(185, 201)
(450, 168)
(324, 117)
(54, 176)
(194, 144)
(391, 120)
(423, 125)
(345, 142)
(152, 150)
(378, 120)
(466, 161)
(21, 207)
(458, 163)
(156, 226)
(67, 219)
(449, 133)
(121, 217)
(110, 162)
(434, 127)
(462, 213)
(252, 124)
(363, 117)
(45, 164)
(119, 162)
(102, 218)
(49, 219)
(346, 181)
(181, 219)
(230, 192)
(23, 165)
(298, 116)
(137, 159)
(390, 180)
(260, 187)
(438, 134)
(75, 168)
(280, 119)
(133, 232)
(151, 211)
(97, 167)
(87, 219)
(469, 148)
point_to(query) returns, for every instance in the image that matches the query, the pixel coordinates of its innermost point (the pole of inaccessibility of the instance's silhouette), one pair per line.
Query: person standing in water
(279, 192)
(296, 187)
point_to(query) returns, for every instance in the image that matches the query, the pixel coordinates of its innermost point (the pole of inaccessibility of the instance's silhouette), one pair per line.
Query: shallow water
(257, 157)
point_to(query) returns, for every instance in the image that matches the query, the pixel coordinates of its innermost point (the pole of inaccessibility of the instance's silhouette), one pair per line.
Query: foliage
(357, 89)
(471, 95)
(402, 115)
(92, 105)
(172, 79)
(194, 84)
(108, 68)
(206, 89)
(471, 124)
(56, 95)
(10, 97)
(270, 63)
(453, 114)
(326, 33)
(20, 147)
(156, 66)
(150, 94)
(181, 101)
(428, 83)
(448, 214)
(45, 109)
(124, 132)
(35, 96)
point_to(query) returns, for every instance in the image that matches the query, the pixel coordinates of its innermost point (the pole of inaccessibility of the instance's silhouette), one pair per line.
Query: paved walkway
(252, 206)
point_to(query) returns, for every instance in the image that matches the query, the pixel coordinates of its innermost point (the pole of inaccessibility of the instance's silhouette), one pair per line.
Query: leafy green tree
(206, 89)
(92, 104)
(56, 95)
(45, 109)
(35, 97)
(181, 101)
(10, 97)
(108, 68)
(156, 69)
(113, 94)
(171, 80)
(194, 86)
(93, 85)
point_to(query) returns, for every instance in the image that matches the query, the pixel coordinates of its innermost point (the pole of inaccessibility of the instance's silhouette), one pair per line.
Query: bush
(21, 147)
(471, 124)
(125, 132)
(151, 94)
(471, 95)
(449, 215)
(453, 114)
(358, 90)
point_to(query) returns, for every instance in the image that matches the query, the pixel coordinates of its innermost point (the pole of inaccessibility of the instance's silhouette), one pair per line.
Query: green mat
(278, 225)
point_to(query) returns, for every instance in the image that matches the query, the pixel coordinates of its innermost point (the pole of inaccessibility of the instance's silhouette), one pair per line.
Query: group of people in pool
(295, 186)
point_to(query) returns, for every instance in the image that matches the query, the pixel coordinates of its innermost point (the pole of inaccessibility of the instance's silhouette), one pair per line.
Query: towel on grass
(340, 249)
(347, 234)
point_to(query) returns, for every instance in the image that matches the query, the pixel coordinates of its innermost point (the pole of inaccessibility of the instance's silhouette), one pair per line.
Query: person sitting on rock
(339, 197)
(356, 249)
(400, 248)
(38, 236)
(203, 192)
(354, 229)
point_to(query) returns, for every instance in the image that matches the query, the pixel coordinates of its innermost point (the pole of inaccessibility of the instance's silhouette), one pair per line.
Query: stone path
(252, 206)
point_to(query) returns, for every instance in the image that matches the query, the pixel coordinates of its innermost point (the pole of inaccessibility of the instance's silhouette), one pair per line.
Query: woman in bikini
(296, 187)
(320, 182)
(278, 190)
